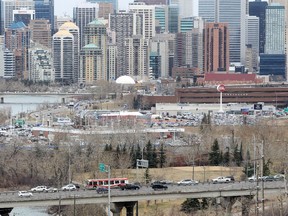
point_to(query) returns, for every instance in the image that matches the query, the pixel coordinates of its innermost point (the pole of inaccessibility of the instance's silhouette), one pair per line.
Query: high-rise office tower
(185, 8)
(114, 2)
(74, 30)
(23, 15)
(273, 61)
(17, 40)
(252, 38)
(105, 9)
(160, 48)
(232, 12)
(41, 32)
(63, 56)
(91, 60)
(7, 7)
(124, 25)
(173, 18)
(137, 57)
(111, 61)
(95, 32)
(83, 14)
(161, 17)
(40, 63)
(258, 9)
(44, 9)
(216, 47)
(275, 29)
(148, 12)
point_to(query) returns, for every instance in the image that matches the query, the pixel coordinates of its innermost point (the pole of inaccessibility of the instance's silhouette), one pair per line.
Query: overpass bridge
(228, 193)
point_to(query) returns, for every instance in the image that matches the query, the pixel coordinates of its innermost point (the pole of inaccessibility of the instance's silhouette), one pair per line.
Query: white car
(221, 179)
(51, 190)
(25, 194)
(39, 189)
(69, 187)
(187, 182)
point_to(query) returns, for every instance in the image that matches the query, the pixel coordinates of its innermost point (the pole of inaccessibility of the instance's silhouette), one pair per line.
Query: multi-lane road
(11, 199)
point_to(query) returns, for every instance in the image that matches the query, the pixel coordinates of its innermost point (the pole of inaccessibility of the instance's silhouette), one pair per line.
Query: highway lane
(13, 196)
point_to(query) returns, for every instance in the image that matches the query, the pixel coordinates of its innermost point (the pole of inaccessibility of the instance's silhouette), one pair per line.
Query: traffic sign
(142, 163)
(221, 88)
(102, 167)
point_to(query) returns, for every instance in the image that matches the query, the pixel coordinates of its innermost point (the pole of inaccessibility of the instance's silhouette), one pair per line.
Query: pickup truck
(221, 179)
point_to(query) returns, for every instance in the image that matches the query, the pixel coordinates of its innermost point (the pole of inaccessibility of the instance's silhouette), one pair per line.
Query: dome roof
(68, 25)
(90, 46)
(125, 80)
(97, 22)
(63, 33)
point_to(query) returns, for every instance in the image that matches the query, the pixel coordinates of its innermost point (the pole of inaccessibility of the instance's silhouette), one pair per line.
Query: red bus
(114, 182)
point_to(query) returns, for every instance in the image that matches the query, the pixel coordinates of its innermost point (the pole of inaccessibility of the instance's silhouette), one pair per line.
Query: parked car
(51, 190)
(102, 190)
(39, 189)
(252, 179)
(268, 178)
(69, 187)
(25, 194)
(221, 179)
(159, 187)
(279, 177)
(231, 177)
(187, 182)
(130, 187)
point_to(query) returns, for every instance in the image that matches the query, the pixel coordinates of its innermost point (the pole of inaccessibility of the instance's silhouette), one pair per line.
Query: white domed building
(125, 80)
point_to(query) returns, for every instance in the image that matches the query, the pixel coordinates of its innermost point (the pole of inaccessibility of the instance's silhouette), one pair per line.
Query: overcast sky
(66, 6)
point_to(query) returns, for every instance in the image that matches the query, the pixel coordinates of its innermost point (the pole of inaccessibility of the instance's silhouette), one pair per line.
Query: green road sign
(102, 167)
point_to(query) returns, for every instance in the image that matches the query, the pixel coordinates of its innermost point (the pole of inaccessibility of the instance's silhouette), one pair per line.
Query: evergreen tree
(214, 155)
(192, 204)
(106, 148)
(237, 156)
(241, 152)
(266, 169)
(147, 176)
(249, 167)
(155, 158)
(226, 157)
(162, 156)
(149, 155)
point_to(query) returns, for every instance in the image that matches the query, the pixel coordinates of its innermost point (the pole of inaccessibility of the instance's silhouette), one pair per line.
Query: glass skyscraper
(44, 9)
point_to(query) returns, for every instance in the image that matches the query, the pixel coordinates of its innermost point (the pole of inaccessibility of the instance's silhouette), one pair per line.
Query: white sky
(66, 6)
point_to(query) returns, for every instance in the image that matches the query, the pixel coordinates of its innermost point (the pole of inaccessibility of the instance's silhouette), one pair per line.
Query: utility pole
(263, 164)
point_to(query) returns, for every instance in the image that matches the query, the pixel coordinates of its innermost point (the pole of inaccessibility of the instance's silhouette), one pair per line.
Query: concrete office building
(114, 3)
(216, 47)
(63, 56)
(154, 2)
(124, 25)
(41, 32)
(252, 39)
(137, 57)
(160, 49)
(167, 18)
(83, 14)
(148, 13)
(74, 30)
(40, 63)
(105, 9)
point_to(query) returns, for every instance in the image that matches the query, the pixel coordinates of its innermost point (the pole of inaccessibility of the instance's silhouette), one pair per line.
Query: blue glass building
(44, 9)
(258, 9)
(273, 65)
